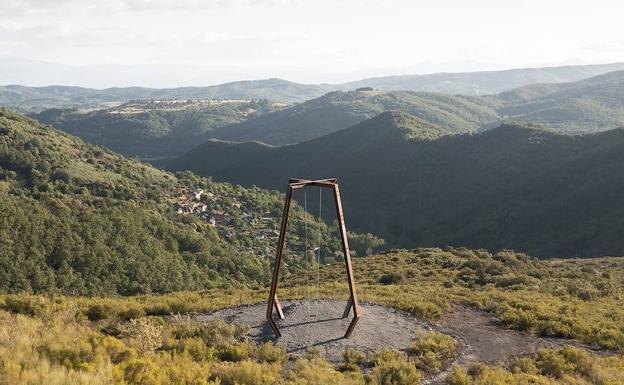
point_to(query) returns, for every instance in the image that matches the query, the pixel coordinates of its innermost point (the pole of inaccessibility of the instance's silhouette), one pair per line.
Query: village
(142, 106)
(231, 219)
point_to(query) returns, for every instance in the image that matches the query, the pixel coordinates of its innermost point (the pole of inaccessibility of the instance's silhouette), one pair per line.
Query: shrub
(394, 371)
(268, 352)
(391, 278)
(352, 360)
(318, 371)
(98, 312)
(432, 351)
(247, 373)
(143, 334)
(236, 352)
(214, 333)
(30, 305)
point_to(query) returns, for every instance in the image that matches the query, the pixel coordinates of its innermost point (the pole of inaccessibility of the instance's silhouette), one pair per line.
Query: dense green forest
(153, 129)
(80, 219)
(515, 186)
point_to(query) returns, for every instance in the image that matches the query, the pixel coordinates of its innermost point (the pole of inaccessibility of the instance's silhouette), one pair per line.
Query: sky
(167, 43)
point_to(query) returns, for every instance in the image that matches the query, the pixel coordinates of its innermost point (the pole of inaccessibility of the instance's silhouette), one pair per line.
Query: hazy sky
(182, 42)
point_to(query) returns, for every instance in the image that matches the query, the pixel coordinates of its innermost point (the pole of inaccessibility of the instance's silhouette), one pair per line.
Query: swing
(273, 302)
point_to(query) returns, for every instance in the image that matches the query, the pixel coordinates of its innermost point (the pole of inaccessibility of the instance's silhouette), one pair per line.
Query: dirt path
(482, 339)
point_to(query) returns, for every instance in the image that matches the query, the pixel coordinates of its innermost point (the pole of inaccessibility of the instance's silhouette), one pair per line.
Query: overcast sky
(199, 42)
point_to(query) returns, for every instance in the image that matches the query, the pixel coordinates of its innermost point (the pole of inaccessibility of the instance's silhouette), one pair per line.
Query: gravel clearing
(311, 324)
(308, 324)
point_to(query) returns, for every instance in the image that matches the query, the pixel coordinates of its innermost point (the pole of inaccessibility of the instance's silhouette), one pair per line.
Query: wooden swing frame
(273, 302)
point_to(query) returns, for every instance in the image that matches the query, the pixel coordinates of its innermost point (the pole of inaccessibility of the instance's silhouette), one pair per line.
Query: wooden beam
(353, 300)
(273, 302)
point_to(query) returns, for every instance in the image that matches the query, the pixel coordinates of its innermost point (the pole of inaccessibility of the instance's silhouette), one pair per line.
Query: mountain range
(514, 186)
(152, 129)
(35, 99)
(586, 106)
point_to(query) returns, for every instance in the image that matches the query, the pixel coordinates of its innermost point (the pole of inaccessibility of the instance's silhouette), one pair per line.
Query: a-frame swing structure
(273, 302)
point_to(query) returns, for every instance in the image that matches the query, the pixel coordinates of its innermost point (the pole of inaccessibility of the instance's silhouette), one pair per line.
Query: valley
(409, 182)
(484, 223)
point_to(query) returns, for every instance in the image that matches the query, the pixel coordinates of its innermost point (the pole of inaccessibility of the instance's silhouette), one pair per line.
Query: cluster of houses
(205, 205)
(141, 106)
(233, 221)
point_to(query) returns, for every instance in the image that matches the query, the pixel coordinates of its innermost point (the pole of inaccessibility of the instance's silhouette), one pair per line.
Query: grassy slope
(89, 338)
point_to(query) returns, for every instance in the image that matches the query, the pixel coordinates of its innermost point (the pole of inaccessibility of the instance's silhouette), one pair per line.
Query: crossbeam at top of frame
(296, 183)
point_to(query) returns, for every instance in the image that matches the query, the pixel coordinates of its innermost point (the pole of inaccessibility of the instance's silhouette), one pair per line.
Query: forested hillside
(336, 110)
(586, 106)
(79, 219)
(147, 129)
(152, 129)
(515, 186)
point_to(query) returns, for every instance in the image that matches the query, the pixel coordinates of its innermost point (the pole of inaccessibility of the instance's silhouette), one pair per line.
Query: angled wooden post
(353, 301)
(273, 302)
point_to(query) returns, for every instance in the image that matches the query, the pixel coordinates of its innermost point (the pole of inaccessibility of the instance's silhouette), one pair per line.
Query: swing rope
(307, 294)
(318, 251)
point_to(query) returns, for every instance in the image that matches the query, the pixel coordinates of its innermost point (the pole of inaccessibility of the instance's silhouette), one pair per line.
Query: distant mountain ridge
(486, 82)
(39, 98)
(34, 99)
(515, 186)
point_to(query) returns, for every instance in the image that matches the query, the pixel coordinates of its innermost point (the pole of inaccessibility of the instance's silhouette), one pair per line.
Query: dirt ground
(311, 324)
(319, 325)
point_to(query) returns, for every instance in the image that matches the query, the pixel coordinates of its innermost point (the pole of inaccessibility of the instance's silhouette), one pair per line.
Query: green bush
(391, 278)
(270, 353)
(394, 370)
(432, 351)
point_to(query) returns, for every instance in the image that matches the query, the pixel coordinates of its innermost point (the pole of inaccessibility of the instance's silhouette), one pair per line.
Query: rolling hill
(514, 186)
(589, 105)
(339, 109)
(586, 106)
(79, 219)
(151, 129)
